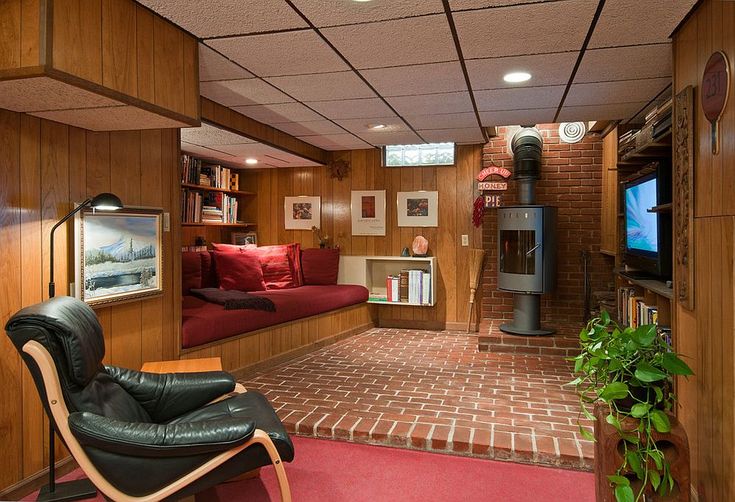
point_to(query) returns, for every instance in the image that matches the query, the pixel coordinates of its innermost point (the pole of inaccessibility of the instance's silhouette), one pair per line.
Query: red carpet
(332, 471)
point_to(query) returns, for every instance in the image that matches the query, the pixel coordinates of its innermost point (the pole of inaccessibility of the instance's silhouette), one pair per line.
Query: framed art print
(302, 212)
(118, 255)
(368, 212)
(418, 209)
(244, 238)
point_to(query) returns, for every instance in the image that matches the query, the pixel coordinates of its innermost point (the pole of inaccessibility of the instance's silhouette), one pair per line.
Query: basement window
(425, 154)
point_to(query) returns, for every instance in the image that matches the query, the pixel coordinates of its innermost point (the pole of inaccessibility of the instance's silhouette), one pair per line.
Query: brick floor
(433, 391)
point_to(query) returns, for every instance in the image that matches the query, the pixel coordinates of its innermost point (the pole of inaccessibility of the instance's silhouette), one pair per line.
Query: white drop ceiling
(430, 70)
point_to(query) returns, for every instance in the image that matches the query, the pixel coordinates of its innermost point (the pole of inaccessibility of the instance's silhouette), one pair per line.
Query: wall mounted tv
(648, 234)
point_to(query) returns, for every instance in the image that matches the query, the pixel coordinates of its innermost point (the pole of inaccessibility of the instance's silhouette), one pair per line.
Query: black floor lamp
(82, 488)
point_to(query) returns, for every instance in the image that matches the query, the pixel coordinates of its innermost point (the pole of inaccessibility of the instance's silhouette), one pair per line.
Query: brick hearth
(432, 391)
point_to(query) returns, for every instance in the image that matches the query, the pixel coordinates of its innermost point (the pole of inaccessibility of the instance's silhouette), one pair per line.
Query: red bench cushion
(205, 322)
(320, 266)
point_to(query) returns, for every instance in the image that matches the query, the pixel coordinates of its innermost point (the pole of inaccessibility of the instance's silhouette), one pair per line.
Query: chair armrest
(160, 440)
(168, 395)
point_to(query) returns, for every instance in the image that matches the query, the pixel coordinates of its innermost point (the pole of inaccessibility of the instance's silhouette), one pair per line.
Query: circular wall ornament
(715, 91)
(572, 132)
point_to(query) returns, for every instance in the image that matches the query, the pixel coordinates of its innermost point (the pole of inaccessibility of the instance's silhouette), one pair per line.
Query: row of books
(412, 286)
(208, 208)
(632, 309)
(195, 172)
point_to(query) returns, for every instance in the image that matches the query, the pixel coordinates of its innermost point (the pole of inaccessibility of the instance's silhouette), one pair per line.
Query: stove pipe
(526, 147)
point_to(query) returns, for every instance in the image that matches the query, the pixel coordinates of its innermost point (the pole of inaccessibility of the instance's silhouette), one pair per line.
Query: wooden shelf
(645, 153)
(661, 208)
(212, 224)
(658, 287)
(213, 189)
(399, 304)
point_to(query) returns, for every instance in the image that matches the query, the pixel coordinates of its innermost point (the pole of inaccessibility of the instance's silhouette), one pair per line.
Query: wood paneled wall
(705, 334)
(456, 195)
(46, 167)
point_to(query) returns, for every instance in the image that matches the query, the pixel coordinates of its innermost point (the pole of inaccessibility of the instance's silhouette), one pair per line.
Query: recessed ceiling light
(516, 77)
(376, 127)
(361, 1)
(251, 161)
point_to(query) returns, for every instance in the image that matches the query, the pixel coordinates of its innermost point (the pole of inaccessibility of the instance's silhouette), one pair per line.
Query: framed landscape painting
(118, 255)
(418, 209)
(368, 212)
(302, 212)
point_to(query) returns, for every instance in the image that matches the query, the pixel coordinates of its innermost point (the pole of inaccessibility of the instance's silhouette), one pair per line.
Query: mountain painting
(120, 256)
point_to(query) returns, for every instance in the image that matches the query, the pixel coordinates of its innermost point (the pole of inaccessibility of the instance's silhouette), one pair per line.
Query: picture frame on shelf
(368, 212)
(302, 212)
(418, 209)
(118, 255)
(244, 238)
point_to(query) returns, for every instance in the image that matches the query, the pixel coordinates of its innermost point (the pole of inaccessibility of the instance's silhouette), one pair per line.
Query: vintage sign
(493, 170)
(495, 200)
(492, 185)
(715, 90)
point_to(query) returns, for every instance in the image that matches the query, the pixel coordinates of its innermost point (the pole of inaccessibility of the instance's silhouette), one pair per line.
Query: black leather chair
(143, 436)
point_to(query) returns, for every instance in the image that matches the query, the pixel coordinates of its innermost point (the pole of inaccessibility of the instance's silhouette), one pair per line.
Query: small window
(428, 154)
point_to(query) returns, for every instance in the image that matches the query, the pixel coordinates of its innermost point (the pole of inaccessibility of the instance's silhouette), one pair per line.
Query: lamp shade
(106, 202)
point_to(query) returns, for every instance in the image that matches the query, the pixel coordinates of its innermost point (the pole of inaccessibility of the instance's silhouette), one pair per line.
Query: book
(426, 289)
(403, 286)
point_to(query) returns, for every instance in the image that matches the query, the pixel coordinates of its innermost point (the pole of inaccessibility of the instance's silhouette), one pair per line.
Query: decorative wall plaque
(715, 90)
(492, 185)
(684, 196)
(489, 171)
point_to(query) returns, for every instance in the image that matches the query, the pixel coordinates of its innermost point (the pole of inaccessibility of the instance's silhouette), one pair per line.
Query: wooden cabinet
(609, 235)
(97, 64)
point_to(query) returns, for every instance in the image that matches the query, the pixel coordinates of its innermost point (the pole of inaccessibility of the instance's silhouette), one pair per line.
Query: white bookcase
(371, 272)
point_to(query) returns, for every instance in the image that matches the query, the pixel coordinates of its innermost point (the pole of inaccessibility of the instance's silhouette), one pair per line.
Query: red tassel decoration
(478, 211)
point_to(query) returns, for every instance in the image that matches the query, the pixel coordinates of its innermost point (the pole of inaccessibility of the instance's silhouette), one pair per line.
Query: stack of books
(633, 310)
(411, 286)
(191, 206)
(211, 214)
(194, 172)
(197, 249)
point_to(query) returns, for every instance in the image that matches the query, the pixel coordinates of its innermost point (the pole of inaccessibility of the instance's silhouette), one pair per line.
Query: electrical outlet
(465, 240)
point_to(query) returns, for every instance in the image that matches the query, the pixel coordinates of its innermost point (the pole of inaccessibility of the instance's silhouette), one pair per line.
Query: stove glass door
(518, 252)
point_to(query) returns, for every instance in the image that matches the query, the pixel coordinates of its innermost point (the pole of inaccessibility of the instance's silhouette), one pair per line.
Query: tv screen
(641, 227)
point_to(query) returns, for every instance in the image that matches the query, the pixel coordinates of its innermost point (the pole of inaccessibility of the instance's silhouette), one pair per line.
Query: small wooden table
(183, 365)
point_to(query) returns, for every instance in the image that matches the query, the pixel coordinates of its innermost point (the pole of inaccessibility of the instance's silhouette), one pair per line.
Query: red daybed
(204, 322)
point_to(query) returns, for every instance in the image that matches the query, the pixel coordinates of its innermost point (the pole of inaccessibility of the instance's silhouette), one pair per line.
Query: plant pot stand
(608, 457)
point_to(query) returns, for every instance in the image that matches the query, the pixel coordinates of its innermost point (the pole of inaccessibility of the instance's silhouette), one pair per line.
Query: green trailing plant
(631, 372)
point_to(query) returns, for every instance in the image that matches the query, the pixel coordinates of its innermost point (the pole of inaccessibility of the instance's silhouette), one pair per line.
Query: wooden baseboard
(36, 481)
(428, 325)
(283, 357)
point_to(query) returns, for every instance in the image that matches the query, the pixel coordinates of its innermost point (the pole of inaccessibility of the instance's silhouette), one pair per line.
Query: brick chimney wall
(571, 179)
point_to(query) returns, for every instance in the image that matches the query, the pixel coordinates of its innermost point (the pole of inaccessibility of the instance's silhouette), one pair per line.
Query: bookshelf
(372, 271)
(213, 202)
(650, 292)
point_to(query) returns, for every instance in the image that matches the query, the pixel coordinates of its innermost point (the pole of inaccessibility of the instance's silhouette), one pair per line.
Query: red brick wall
(571, 179)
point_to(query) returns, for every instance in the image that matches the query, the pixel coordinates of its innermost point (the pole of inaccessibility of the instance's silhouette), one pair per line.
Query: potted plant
(628, 373)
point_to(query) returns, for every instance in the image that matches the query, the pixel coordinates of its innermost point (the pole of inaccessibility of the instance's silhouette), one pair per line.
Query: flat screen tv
(648, 234)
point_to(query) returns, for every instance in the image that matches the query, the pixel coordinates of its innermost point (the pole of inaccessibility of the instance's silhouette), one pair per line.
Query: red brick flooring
(432, 391)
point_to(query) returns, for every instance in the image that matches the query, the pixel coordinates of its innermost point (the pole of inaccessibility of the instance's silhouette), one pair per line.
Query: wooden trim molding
(237, 123)
(684, 196)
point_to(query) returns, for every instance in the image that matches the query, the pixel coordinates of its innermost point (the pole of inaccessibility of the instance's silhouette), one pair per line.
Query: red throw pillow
(231, 248)
(191, 271)
(320, 266)
(280, 269)
(240, 271)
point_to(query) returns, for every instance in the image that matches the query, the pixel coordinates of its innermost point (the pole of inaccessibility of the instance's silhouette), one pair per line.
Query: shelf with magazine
(212, 197)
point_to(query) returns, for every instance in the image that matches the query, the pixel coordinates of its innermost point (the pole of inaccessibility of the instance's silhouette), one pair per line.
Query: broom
(476, 258)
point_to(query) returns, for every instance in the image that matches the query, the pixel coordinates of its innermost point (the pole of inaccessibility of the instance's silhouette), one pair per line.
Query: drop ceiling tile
(44, 93)
(111, 118)
(249, 91)
(417, 79)
(360, 126)
(483, 4)
(211, 136)
(429, 104)
(391, 138)
(524, 29)
(309, 128)
(352, 108)
(206, 153)
(520, 97)
(546, 69)
(273, 54)
(415, 40)
(625, 63)
(323, 86)
(336, 12)
(215, 18)
(443, 121)
(266, 155)
(214, 66)
(632, 22)
(465, 135)
(617, 111)
(621, 91)
(336, 142)
(279, 113)
(517, 117)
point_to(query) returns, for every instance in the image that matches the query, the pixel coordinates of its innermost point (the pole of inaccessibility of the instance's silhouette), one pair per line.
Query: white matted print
(418, 209)
(368, 212)
(302, 213)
